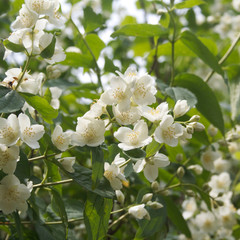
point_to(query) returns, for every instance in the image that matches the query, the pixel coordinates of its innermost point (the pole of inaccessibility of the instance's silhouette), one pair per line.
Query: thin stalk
(52, 183)
(118, 220)
(125, 163)
(169, 187)
(224, 58)
(23, 72)
(98, 72)
(42, 157)
(119, 210)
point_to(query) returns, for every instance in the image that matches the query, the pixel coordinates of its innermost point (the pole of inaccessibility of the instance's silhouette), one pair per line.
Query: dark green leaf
(78, 60)
(97, 165)
(83, 177)
(58, 205)
(13, 46)
(96, 216)
(10, 100)
(74, 208)
(176, 217)
(189, 4)
(179, 93)
(195, 45)
(174, 151)
(18, 225)
(113, 150)
(43, 232)
(23, 168)
(49, 50)
(95, 43)
(152, 148)
(136, 153)
(207, 102)
(47, 112)
(140, 30)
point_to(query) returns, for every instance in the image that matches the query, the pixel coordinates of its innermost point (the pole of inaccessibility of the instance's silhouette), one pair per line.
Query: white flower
(113, 173)
(155, 114)
(219, 184)
(61, 139)
(67, 163)
(227, 217)
(120, 196)
(26, 18)
(119, 93)
(206, 222)
(168, 132)
(208, 158)
(89, 132)
(13, 195)
(130, 75)
(221, 165)
(29, 83)
(30, 134)
(236, 5)
(56, 93)
(136, 138)
(126, 117)
(150, 166)
(189, 207)
(9, 130)
(42, 7)
(8, 158)
(139, 211)
(180, 108)
(96, 110)
(144, 91)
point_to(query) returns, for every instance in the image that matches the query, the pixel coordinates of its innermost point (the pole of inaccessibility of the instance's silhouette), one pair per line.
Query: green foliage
(78, 60)
(96, 216)
(13, 46)
(189, 4)
(49, 50)
(10, 100)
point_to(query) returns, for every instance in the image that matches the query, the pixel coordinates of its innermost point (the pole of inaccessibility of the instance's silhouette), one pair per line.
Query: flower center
(7, 133)
(118, 94)
(89, 135)
(60, 139)
(141, 91)
(28, 131)
(12, 194)
(133, 137)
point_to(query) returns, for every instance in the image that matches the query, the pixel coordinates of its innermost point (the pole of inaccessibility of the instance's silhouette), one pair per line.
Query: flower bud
(147, 197)
(165, 192)
(190, 193)
(180, 108)
(120, 197)
(206, 187)
(197, 126)
(154, 205)
(215, 204)
(196, 168)
(220, 203)
(179, 157)
(161, 11)
(194, 118)
(155, 186)
(37, 171)
(212, 131)
(190, 129)
(180, 172)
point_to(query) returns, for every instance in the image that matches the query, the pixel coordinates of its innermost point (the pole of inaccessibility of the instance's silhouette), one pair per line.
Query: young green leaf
(195, 45)
(96, 216)
(135, 153)
(140, 30)
(13, 46)
(189, 4)
(10, 100)
(91, 20)
(152, 148)
(49, 50)
(22, 171)
(47, 112)
(207, 102)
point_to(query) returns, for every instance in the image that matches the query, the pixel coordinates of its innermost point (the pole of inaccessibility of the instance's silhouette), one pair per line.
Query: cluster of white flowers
(13, 131)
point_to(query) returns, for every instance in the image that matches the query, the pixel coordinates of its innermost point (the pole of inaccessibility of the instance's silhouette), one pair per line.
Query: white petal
(150, 172)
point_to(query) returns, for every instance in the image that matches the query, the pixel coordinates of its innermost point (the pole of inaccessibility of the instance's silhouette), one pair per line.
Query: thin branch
(224, 58)
(52, 183)
(118, 220)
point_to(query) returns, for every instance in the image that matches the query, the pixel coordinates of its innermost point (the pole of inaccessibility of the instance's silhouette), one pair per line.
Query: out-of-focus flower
(139, 212)
(180, 108)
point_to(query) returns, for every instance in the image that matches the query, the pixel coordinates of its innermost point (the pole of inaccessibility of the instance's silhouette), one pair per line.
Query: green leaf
(53, 175)
(109, 66)
(13, 46)
(179, 93)
(234, 88)
(10, 100)
(97, 165)
(136, 153)
(83, 177)
(140, 30)
(165, 20)
(189, 4)
(41, 105)
(152, 148)
(96, 216)
(195, 45)
(18, 225)
(91, 20)
(207, 102)
(176, 217)
(95, 43)
(174, 151)
(74, 208)
(22, 171)
(15, 6)
(76, 60)
(58, 205)
(48, 95)
(49, 50)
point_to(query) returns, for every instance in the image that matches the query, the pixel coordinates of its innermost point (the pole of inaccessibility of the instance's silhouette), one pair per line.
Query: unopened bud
(197, 126)
(147, 216)
(179, 157)
(155, 186)
(161, 11)
(190, 129)
(147, 197)
(165, 192)
(220, 203)
(215, 204)
(120, 197)
(196, 168)
(194, 118)
(154, 205)
(212, 131)
(190, 193)
(206, 187)
(37, 171)
(180, 172)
